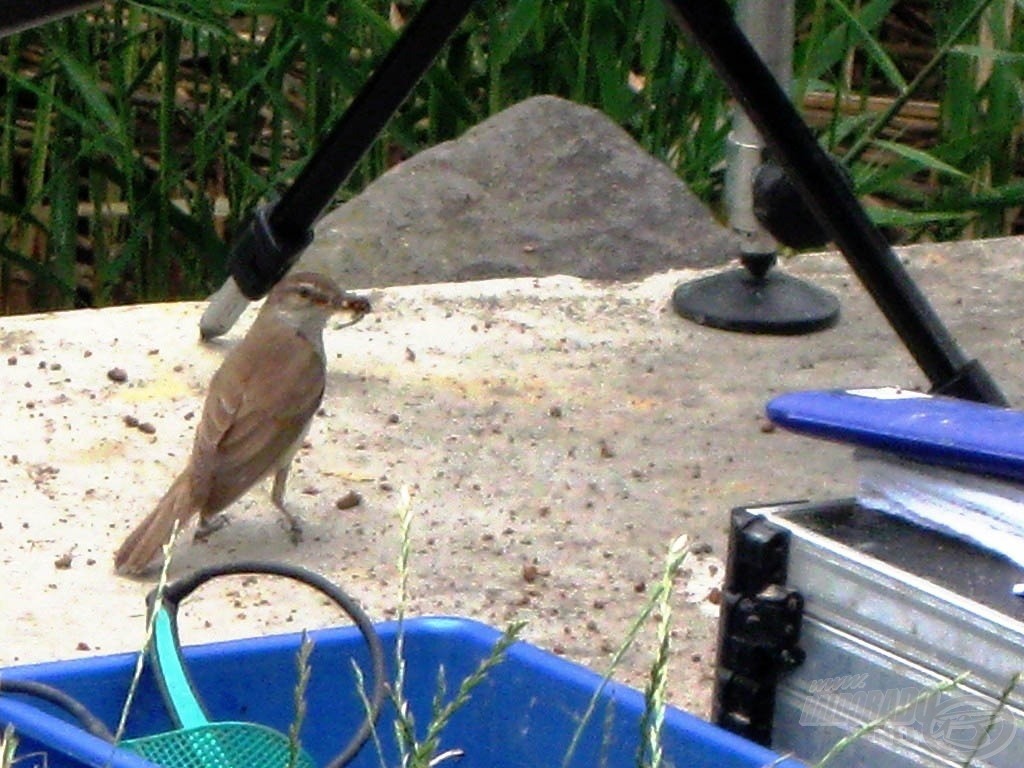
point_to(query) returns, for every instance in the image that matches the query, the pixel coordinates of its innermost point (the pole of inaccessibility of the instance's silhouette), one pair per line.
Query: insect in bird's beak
(357, 306)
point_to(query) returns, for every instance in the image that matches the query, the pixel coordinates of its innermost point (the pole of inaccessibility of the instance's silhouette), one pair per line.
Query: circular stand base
(739, 301)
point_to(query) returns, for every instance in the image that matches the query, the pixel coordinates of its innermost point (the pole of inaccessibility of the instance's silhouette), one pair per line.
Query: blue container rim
(90, 750)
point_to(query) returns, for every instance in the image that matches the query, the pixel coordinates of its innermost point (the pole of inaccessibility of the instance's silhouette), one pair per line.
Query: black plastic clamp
(758, 629)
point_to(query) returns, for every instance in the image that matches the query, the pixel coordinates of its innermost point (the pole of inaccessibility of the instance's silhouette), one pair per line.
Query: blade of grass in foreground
(674, 560)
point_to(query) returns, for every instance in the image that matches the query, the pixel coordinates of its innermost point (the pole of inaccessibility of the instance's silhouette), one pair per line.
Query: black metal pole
(383, 94)
(15, 16)
(827, 194)
(277, 234)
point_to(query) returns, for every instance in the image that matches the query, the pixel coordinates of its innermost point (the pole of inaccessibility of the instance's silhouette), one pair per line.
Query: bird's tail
(142, 545)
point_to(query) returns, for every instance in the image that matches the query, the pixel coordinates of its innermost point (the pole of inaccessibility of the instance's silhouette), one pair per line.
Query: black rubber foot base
(739, 301)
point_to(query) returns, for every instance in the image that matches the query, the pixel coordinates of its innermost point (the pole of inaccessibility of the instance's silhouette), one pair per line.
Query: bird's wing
(243, 436)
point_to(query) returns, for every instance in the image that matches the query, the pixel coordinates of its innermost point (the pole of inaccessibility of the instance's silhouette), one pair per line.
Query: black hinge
(759, 627)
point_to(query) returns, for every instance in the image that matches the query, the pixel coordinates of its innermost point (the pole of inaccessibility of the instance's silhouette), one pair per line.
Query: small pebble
(532, 572)
(118, 375)
(349, 500)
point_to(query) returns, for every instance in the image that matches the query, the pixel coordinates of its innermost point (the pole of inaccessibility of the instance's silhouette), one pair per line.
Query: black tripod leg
(15, 17)
(406, 62)
(277, 234)
(825, 192)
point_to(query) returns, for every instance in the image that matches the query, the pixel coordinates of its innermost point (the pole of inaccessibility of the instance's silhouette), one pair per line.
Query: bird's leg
(277, 496)
(209, 526)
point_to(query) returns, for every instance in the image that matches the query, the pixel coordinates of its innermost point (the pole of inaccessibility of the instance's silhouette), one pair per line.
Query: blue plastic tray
(524, 715)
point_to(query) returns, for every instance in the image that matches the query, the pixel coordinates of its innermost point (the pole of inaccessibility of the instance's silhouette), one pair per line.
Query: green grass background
(135, 138)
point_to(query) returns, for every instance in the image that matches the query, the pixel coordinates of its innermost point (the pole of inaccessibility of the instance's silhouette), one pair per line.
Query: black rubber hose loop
(171, 597)
(174, 593)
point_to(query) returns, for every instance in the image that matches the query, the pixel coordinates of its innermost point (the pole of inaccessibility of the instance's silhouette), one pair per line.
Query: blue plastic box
(523, 716)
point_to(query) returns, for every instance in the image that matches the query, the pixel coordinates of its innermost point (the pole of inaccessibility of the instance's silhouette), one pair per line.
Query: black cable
(177, 591)
(72, 706)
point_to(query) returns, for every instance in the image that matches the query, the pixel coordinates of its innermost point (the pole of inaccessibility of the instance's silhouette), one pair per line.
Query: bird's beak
(357, 306)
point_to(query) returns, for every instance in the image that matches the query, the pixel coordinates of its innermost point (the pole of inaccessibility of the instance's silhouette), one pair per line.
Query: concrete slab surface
(555, 435)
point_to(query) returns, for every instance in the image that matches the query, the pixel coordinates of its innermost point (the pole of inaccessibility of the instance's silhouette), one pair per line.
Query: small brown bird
(257, 412)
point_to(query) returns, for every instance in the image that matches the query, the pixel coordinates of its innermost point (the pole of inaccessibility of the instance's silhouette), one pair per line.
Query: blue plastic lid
(945, 431)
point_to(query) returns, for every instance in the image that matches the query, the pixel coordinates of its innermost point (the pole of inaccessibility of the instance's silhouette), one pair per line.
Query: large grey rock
(545, 187)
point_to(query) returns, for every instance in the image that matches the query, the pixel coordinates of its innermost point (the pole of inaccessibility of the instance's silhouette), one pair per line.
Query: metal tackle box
(842, 626)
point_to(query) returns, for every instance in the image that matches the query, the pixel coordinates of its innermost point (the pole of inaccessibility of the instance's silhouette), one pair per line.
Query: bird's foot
(208, 526)
(291, 523)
